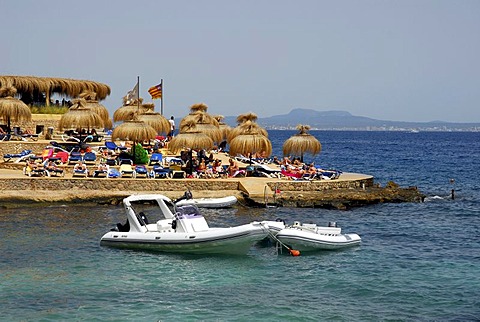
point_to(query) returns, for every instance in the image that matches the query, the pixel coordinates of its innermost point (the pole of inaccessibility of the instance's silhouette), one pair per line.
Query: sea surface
(417, 261)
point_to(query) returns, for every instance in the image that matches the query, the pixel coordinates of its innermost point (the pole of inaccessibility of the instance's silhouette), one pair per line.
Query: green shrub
(49, 109)
(141, 155)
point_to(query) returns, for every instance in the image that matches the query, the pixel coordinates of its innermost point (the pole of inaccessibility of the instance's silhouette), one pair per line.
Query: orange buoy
(294, 252)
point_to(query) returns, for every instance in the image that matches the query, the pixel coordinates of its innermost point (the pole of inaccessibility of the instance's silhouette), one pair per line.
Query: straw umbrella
(191, 138)
(302, 143)
(224, 128)
(250, 141)
(245, 123)
(80, 116)
(11, 108)
(134, 130)
(92, 102)
(198, 114)
(155, 120)
(130, 106)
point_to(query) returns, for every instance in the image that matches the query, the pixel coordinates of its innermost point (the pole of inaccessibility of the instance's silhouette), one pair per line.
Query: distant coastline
(380, 129)
(345, 121)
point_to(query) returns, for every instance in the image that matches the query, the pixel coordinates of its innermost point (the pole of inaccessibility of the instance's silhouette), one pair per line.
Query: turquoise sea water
(416, 261)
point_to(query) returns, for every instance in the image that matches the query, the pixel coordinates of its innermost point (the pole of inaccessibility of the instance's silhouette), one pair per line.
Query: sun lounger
(114, 147)
(113, 173)
(90, 157)
(54, 171)
(160, 172)
(156, 158)
(18, 156)
(75, 157)
(142, 171)
(127, 169)
(34, 170)
(80, 173)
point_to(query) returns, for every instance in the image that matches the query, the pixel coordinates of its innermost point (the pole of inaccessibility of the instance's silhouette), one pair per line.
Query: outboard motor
(187, 195)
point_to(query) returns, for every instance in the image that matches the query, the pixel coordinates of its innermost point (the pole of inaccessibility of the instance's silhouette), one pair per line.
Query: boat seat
(163, 225)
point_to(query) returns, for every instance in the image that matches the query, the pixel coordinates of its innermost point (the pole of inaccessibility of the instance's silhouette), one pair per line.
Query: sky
(388, 60)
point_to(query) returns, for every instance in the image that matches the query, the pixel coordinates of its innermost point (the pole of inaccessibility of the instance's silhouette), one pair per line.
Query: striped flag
(156, 91)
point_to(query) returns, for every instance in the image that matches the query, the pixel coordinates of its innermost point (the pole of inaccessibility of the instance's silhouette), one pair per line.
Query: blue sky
(389, 60)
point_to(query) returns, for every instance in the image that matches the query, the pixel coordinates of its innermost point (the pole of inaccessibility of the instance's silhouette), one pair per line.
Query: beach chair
(142, 170)
(114, 147)
(328, 174)
(90, 157)
(80, 172)
(156, 158)
(33, 169)
(53, 170)
(101, 171)
(176, 170)
(126, 168)
(113, 173)
(18, 156)
(268, 171)
(160, 172)
(75, 157)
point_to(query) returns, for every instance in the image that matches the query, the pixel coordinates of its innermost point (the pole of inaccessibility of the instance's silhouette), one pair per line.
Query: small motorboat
(223, 202)
(310, 237)
(155, 223)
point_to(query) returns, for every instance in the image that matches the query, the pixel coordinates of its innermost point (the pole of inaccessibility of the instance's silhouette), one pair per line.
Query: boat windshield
(188, 211)
(150, 210)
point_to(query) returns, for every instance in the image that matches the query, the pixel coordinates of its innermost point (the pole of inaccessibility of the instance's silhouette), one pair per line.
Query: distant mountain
(342, 120)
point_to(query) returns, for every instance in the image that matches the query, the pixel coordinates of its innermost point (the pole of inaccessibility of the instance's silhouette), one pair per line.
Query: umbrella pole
(134, 155)
(191, 161)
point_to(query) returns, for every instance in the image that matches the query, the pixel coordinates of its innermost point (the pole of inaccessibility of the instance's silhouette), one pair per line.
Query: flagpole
(161, 103)
(138, 93)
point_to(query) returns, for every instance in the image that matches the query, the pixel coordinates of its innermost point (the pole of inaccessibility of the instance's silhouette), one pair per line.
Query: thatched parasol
(134, 130)
(92, 102)
(156, 120)
(27, 86)
(205, 123)
(301, 143)
(191, 139)
(250, 116)
(250, 140)
(249, 144)
(224, 128)
(135, 105)
(79, 116)
(246, 127)
(11, 108)
(198, 113)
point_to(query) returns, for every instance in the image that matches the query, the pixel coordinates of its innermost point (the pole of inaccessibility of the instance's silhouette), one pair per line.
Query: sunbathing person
(101, 169)
(80, 167)
(233, 169)
(51, 167)
(201, 168)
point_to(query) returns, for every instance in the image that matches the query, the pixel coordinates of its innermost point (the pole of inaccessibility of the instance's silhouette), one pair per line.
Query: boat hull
(310, 241)
(231, 241)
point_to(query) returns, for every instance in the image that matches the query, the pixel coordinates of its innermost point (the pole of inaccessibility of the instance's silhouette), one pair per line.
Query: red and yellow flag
(156, 91)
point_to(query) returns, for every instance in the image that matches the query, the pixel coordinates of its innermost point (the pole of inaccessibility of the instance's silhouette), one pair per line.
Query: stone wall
(105, 185)
(312, 186)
